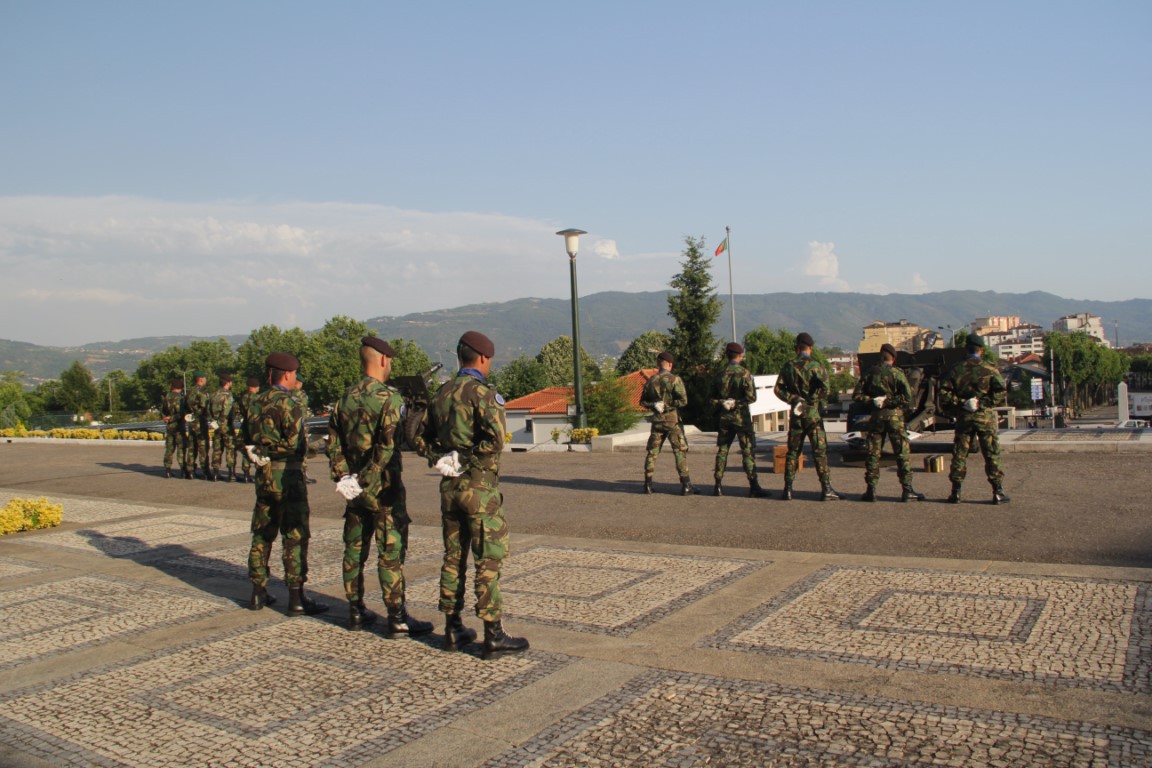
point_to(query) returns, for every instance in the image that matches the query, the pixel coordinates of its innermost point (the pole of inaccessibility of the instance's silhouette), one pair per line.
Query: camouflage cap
(734, 348)
(888, 348)
(805, 340)
(282, 361)
(478, 342)
(379, 345)
(666, 357)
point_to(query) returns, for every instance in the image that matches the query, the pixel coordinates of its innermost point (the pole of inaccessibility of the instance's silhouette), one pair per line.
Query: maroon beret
(282, 361)
(379, 345)
(177, 384)
(666, 357)
(889, 349)
(479, 342)
(225, 378)
(253, 381)
(734, 348)
(805, 340)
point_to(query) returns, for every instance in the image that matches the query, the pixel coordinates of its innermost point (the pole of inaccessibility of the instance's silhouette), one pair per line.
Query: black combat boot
(755, 491)
(210, 475)
(716, 489)
(167, 471)
(648, 486)
(496, 642)
(240, 478)
(998, 495)
(869, 493)
(260, 598)
(187, 474)
(687, 489)
(827, 492)
(909, 494)
(456, 635)
(400, 623)
(786, 494)
(359, 616)
(299, 604)
(955, 497)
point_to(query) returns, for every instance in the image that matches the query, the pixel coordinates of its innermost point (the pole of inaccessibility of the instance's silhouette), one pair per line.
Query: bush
(30, 514)
(82, 434)
(584, 435)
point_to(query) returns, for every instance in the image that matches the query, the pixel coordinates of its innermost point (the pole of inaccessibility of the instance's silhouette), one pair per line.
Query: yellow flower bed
(82, 433)
(585, 435)
(29, 514)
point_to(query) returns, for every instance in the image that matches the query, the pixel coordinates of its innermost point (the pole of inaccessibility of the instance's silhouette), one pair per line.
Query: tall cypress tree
(694, 309)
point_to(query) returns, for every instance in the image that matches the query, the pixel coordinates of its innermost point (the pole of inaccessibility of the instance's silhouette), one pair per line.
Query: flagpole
(731, 291)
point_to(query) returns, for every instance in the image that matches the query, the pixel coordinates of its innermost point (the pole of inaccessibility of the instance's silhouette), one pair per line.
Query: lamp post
(951, 333)
(572, 246)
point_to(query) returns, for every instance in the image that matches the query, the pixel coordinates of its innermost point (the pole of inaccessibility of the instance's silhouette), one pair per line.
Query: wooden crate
(780, 457)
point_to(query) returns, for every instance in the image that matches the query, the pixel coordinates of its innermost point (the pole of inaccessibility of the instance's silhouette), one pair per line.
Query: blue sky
(211, 167)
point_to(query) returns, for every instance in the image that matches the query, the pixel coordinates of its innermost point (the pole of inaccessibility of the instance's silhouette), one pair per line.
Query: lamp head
(571, 240)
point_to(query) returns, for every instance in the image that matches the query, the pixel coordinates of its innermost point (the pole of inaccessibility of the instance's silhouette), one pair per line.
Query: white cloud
(823, 264)
(919, 284)
(606, 249)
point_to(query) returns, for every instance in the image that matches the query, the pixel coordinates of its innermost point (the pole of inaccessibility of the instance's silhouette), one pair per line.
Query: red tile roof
(556, 399)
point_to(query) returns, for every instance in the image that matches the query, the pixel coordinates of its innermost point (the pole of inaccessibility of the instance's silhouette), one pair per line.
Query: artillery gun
(417, 393)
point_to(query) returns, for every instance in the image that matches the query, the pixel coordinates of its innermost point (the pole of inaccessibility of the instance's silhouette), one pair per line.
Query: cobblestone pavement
(125, 643)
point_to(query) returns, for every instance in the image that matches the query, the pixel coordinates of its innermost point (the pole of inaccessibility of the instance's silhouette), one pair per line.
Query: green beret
(199, 375)
(976, 340)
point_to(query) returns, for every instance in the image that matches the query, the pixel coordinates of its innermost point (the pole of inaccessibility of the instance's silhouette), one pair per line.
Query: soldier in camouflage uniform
(236, 419)
(172, 409)
(364, 454)
(466, 431)
(220, 405)
(197, 420)
(803, 384)
(274, 439)
(664, 395)
(884, 388)
(735, 391)
(970, 391)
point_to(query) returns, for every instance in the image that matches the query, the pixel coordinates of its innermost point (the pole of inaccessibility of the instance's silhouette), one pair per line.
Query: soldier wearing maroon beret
(664, 395)
(733, 393)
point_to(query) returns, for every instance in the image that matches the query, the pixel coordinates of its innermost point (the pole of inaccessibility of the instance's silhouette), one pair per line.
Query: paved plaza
(125, 640)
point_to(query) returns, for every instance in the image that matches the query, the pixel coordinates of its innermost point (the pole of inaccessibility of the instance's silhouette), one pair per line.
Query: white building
(1082, 321)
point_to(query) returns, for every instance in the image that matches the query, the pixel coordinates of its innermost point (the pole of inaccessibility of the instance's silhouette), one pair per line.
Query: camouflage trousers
(724, 438)
(222, 449)
(472, 517)
(389, 526)
(894, 430)
(239, 455)
(175, 446)
(675, 437)
(198, 448)
(284, 514)
(813, 429)
(989, 445)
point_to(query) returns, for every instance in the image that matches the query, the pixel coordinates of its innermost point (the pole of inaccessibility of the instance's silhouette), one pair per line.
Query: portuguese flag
(721, 248)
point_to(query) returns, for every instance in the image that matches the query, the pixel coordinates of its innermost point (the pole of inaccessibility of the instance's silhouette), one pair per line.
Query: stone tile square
(599, 591)
(1075, 632)
(85, 510)
(144, 537)
(71, 614)
(296, 693)
(11, 567)
(685, 720)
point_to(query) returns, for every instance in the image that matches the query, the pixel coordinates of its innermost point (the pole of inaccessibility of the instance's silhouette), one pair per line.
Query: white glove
(798, 409)
(972, 404)
(349, 487)
(879, 401)
(213, 425)
(254, 457)
(449, 465)
(659, 407)
(189, 418)
(729, 404)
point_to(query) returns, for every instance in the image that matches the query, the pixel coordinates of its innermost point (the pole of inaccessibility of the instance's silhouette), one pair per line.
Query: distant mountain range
(609, 321)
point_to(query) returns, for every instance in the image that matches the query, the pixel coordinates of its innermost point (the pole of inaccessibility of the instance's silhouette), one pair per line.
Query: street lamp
(951, 333)
(572, 246)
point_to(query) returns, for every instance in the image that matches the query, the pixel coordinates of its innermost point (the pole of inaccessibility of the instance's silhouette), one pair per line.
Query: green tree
(78, 390)
(330, 360)
(14, 406)
(155, 373)
(1087, 372)
(410, 359)
(265, 340)
(609, 407)
(694, 308)
(522, 376)
(556, 358)
(766, 352)
(640, 355)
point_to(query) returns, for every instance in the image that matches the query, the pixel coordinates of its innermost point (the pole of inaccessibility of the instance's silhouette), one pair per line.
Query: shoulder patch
(499, 398)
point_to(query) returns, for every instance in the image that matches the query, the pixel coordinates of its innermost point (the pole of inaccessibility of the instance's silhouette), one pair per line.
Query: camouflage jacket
(973, 378)
(275, 425)
(363, 434)
(887, 381)
(173, 408)
(668, 388)
(220, 406)
(239, 409)
(197, 404)
(735, 383)
(804, 378)
(467, 416)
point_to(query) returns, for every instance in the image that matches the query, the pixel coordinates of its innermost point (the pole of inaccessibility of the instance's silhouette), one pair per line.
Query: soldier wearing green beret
(665, 395)
(803, 384)
(735, 391)
(197, 421)
(219, 428)
(885, 390)
(173, 409)
(970, 391)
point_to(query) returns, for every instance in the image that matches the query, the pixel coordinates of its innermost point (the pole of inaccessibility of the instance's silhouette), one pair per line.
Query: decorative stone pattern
(11, 567)
(1078, 435)
(299, 693)
(84, 510)
(1064, 631)
(71, 614)
(144, 537)
(682, 719)
(600, 591)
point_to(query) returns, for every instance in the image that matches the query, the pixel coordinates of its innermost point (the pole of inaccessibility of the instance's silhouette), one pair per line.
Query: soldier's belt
(286, 464)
